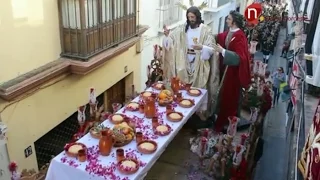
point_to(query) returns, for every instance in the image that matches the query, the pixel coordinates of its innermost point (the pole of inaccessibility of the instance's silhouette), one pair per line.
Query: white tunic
(206, 52)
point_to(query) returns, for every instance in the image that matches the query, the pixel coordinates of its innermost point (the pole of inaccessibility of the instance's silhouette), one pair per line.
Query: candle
(206, 133)
(81, 115)
(92, 96)
(243, 138)
(203, 144)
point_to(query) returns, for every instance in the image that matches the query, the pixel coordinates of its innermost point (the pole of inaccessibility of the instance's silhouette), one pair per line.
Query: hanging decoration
(25, 174)
(97, 115)
(81, 115)
(13, 167)
(92, 96)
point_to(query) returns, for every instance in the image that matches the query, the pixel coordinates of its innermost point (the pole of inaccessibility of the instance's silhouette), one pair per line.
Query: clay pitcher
(105, 143)
(150, 108)
(175, 85)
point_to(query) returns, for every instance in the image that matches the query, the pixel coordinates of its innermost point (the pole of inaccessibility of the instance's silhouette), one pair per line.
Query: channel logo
(253, 13)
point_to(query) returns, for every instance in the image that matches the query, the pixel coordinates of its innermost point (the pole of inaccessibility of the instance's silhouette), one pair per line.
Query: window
(91, 26)
(131, 6)
(71, 13)
(118, 9)
(91, 9)
(169, 12)
(106, 10)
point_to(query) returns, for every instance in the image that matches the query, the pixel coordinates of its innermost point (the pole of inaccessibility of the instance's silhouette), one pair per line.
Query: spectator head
(281, 70)
(267, 74)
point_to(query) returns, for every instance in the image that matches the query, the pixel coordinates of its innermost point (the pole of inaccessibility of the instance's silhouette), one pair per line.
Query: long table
(100, 167)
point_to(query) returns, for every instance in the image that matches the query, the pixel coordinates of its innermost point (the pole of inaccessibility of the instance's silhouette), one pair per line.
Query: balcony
(88, 27)
(214, 5)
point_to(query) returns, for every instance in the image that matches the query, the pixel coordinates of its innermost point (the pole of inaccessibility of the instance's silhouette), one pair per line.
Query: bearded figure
(188, 54)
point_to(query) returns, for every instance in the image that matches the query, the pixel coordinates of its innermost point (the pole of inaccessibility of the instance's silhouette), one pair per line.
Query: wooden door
(116, 94)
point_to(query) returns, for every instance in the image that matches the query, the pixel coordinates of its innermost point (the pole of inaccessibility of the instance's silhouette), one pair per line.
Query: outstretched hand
(218, 48)
(198, 47)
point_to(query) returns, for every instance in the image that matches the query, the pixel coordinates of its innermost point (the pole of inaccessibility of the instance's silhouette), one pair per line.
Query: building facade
(53, 52)
(311, 8)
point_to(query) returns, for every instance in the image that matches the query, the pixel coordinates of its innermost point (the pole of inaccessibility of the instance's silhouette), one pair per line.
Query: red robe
(237, 77)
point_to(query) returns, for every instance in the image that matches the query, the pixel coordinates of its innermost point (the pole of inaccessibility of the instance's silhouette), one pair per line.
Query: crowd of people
(264, 36)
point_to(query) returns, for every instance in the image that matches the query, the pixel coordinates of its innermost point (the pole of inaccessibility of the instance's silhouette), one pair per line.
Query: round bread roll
(147, 94)
(175, 116)
(185, 102)
(133, 105)
(194, 91)
(75, 148)
(162, 128)
(129, 164)
(147, 146)
(117, 118)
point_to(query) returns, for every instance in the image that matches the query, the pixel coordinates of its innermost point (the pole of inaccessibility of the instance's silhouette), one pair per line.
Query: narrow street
(272, 164)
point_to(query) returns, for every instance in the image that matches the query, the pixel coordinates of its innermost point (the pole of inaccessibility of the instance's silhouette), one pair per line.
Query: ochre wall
(34, 116)
(29, 35)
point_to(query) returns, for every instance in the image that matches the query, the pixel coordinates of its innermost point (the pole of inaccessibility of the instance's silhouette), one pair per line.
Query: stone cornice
(62, 66)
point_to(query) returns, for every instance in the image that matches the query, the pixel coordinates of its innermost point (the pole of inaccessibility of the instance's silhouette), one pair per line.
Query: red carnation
(13, 166)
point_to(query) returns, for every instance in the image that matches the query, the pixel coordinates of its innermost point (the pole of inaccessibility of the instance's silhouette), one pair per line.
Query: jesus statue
(188, 54)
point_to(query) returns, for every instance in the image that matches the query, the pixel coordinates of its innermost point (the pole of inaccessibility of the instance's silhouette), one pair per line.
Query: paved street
(272, 164)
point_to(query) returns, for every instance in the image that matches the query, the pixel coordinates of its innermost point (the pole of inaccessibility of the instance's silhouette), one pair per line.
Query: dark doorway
(116, 94)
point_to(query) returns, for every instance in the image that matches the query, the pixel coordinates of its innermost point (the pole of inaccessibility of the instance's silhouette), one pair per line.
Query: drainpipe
(4, 158)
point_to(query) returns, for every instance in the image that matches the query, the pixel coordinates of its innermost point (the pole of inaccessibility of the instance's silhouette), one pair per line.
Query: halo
(191, 3)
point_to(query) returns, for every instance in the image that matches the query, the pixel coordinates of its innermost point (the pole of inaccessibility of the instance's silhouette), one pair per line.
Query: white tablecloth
(66, 168)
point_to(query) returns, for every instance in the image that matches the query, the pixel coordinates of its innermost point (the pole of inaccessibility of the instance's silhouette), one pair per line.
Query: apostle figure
(235, 67)
(191, 57)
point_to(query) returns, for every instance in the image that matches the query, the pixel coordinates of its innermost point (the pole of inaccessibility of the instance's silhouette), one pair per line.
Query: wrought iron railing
(301, 138)
(88, 27)
(296, 126)
(53, 142)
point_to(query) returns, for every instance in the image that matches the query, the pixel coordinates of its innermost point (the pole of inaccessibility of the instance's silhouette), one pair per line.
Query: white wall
(149, 15)
(4, 163)
(316, 57)
(223, 12)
